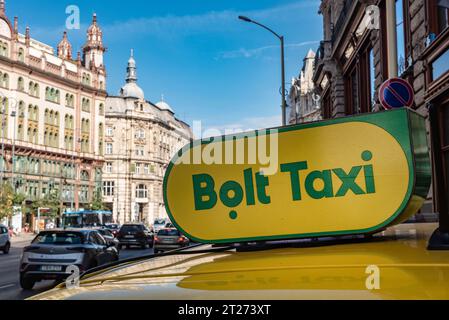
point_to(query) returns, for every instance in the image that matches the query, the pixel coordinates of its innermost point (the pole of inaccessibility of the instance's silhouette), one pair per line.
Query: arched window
(56, 122)
(21, 55)
(101, 109)
(20, 84)
(5, 81)
(47, 116)
(36, 90)
(84, 175)
(21, 109)
(36, 113)
(31, 88)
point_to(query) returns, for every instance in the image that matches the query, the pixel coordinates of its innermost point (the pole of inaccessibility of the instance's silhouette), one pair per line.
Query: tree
(50, 201)
(97, 200)
(8, 199)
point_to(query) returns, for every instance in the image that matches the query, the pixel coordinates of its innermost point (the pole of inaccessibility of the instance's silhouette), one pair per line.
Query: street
(9, 272)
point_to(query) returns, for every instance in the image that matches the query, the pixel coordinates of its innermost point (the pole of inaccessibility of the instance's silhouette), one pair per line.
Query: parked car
(5, 240)
(109, 237)
(52, 251)
(135, 234)
(169, 239)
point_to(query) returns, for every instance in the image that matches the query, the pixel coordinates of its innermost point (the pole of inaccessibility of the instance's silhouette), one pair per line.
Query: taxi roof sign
(355, 175)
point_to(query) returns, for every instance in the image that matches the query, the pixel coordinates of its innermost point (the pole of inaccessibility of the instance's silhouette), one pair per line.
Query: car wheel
(6, 248)
(26, 283)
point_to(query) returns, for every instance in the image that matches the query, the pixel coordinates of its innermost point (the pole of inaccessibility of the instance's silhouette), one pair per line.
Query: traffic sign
(346, 176)
(396, 93)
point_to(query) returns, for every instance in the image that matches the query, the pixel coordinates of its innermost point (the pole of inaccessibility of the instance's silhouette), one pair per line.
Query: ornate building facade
(140, 140)
(367, 42)
(303, 101)
(52, 115)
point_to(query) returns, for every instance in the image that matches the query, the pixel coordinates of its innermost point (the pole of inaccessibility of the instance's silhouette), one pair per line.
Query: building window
(146, 169)
(85, 105)
(141, 191)
(438, 15)
(108, 167)
(140, 151)
(108, 188)
(101, 109)
(69, 100)
(140, 134)
(4, 49)
(109, 131)
(138, 168)
(21, 55)
(359, 90)
(440, 66)
(109, 148)
(20, 84)
(4, 80)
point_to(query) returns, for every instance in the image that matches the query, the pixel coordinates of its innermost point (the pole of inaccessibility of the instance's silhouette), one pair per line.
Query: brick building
(368, 41)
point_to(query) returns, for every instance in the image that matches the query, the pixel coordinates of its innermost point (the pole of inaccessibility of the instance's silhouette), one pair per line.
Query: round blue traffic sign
(396, 93)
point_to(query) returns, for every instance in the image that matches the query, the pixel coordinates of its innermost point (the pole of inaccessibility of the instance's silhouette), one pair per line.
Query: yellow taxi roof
(406, 270)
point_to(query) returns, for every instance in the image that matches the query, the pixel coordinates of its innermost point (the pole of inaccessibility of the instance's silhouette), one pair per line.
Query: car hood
(405, 270)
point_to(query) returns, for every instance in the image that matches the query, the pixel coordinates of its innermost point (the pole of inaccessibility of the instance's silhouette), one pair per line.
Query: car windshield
(59, 238)
(131, 228)
(168, 232)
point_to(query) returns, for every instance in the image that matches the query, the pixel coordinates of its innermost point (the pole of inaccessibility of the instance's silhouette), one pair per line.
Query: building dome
(132, 90)
(164, 106)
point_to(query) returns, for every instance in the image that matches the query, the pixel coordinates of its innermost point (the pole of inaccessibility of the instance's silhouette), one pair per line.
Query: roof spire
(2, 7)
(162, 97)
(132, 69)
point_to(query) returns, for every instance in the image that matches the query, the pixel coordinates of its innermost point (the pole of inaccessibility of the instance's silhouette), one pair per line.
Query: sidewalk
(23, 237)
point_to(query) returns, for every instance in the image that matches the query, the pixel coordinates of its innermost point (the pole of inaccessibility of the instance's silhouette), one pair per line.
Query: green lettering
(262, 182)
(369, 179)
(326, 177)
(234, 200)
(294, 169)
(200, 191)
(249, 187)
(348, 181)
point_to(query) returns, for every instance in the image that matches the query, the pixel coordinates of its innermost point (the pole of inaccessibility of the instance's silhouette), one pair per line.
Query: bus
(87, 218)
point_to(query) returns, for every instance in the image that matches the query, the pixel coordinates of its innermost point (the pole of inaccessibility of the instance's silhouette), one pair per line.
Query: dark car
(53, 251)
(135, 234)
(113, 227)
(109, 237)
(169, 239)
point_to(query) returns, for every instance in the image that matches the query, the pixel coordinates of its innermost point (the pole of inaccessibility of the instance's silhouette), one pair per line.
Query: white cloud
(246, 124)
(249, 53)
(207, 22)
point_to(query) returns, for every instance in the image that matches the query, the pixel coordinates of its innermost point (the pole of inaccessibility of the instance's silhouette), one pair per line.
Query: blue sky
(209, 65)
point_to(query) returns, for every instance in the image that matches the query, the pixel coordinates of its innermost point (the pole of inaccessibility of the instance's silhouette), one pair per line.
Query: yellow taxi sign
(353, 175)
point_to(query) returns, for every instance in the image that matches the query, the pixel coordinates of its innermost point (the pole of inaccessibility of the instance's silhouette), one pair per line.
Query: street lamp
(281, 38)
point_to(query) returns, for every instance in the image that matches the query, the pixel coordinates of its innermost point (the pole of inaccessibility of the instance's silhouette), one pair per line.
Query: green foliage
(6, 201)
(97, 201)
(50, 201)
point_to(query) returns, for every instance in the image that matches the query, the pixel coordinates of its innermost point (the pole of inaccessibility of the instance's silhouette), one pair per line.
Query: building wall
(344, 47)
(304, 104)
(38, 136)
(145, 137)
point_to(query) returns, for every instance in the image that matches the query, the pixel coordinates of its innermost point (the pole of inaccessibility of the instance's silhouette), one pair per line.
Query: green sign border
(410, 134)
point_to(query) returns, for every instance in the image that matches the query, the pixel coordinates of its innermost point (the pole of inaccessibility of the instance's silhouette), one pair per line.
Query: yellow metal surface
(406, 271)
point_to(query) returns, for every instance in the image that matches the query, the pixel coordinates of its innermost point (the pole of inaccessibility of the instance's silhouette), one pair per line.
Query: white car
(5, 242)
